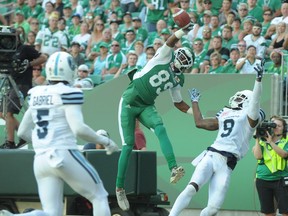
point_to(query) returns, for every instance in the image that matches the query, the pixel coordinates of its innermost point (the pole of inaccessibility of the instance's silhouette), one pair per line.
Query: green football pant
(150, 118)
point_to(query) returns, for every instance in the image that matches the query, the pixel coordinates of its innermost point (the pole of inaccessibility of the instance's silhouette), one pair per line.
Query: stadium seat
(97, 79)
(268, 64)
(108, 77)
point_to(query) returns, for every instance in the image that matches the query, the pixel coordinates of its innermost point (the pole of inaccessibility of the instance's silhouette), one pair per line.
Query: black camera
(263, 128)
(8, 48)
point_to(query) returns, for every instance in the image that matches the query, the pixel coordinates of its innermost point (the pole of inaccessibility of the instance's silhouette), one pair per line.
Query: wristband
(189, 111)
(179, 33)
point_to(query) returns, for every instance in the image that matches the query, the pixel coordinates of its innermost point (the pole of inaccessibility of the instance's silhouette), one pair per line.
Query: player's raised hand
(188, 28)
(260, 70)
(194, 94)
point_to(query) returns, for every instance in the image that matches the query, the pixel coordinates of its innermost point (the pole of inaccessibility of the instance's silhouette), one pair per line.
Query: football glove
(111, 146)
(188, 28)
(20, 66)
(194, 94)
(260, 69)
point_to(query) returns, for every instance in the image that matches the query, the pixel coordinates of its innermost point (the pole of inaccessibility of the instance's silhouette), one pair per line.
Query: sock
(166, 146)
(122, 165)
(183, 200)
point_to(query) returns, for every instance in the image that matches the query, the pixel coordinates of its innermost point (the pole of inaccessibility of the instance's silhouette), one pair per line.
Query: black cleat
(8, 145)
(21, 143)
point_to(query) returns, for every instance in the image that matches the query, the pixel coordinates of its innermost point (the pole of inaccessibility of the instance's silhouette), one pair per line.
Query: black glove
(260, 70)
(23, 66)
(188, 27)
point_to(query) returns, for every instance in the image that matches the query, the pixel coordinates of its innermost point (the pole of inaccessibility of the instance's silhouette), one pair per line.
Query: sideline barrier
(101, 112)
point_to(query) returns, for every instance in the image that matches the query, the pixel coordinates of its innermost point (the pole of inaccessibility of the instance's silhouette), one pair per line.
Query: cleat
(122, 200)
(8, 145)
(5, 213)
(21, 143)
(176, 174)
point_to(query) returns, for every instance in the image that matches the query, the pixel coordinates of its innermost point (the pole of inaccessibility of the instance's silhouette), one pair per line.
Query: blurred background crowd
(109, 38)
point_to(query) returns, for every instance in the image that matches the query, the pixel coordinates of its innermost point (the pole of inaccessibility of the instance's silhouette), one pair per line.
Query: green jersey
(159, 8)
(157, 76)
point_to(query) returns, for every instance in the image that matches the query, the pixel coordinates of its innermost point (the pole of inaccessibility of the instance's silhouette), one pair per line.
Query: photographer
(24, 59)
(271, 151)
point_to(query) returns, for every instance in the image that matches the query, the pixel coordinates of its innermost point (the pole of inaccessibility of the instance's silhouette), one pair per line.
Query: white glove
(111, 146)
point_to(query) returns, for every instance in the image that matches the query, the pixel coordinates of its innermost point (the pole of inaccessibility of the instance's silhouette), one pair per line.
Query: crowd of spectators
(114, 36)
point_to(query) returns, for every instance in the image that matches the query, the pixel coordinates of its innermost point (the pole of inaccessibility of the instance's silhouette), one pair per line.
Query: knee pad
(195, 186)
(190, 190)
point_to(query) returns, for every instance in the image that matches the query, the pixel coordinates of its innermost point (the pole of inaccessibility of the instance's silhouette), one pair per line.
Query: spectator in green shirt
(199, 54)
(276, 66)
(228, 39)
(20, 21)
(215, 64)
(230, 65)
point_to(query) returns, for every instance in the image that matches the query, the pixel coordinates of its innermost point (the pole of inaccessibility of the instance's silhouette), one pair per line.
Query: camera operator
(272, 172)
(28, 57)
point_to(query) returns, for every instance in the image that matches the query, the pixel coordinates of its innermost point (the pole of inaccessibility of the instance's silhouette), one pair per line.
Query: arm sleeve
(165, 52)
(75, 120)
(176, 94)
(26, 126)
(254, 104)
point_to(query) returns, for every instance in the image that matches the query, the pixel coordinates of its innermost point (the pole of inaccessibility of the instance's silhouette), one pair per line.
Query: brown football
(181, 17)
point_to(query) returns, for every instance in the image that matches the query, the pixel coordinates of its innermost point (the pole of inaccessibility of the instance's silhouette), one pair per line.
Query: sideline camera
(8, 48)
(263, 128)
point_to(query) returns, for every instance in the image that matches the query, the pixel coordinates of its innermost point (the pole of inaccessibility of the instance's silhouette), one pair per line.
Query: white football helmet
(60, 66)
(240, 100)
(183, 59)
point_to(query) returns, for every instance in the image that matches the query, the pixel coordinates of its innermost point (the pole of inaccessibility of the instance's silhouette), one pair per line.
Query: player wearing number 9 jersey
(236, 125)
(55, 119)
(162, 72)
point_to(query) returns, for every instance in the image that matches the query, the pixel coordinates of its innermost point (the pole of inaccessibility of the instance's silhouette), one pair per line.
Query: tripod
(8, 87)
(7, 84)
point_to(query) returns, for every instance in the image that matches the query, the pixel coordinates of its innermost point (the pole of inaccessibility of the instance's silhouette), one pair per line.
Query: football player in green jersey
(162, 72)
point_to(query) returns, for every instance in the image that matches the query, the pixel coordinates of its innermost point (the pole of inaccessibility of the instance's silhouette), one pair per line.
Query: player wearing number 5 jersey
(162, 72)
(51, 40)
(236, 125)
(55, 119)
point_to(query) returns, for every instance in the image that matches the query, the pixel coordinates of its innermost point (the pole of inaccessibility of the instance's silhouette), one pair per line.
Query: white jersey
(51, 42)
(260, 44)
(51, 129)
(235, 131)
(247, 67)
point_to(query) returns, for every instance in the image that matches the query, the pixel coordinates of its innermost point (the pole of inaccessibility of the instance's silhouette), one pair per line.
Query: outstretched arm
(207, 123)
(254, 104)
(178, 101)
(174, 38)
(83, 131)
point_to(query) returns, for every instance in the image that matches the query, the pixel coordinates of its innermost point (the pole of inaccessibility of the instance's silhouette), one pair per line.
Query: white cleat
(122, 200)
(176, 174)
(5, 213)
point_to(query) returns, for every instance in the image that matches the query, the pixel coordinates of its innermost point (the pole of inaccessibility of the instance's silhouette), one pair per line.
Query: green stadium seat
(268, 64)
(97, 79)
(108, 77)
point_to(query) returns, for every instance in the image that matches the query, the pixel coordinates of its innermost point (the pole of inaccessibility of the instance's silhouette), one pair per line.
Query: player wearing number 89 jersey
(162, 72)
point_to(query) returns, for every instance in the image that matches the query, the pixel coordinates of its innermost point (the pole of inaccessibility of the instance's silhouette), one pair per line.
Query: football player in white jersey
(53, 121)
(236, 125)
